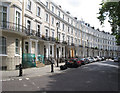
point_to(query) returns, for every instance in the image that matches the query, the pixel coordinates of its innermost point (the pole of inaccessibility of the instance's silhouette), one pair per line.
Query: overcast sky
(86, 9)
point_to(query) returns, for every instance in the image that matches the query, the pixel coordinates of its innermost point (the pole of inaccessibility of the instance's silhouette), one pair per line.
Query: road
(98, 76)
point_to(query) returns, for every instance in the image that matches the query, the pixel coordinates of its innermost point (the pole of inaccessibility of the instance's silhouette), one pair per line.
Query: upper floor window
(28, 25)
(52, 20)
(47, 19)
(72, 22)
(38, 11)
(63, 16)
(63, 27)
(59, 13)
(38, 30)
(68, 30)
(71, 30)
(3, 16)
(53, 9)
(17, 46)
(63, 37)
(71, 39)
(46, 32)
(17, 20)
(68, 20)
(47, 4)
(52, 34)
(3, 45)
(29, 5)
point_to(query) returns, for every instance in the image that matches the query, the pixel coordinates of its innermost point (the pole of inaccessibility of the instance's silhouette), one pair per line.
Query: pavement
(30, 72)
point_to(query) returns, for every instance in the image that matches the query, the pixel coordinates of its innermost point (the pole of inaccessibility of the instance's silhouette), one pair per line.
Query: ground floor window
(3, 45)
(17, 46)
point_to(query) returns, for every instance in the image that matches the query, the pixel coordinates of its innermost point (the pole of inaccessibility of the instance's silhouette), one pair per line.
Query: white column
(30, 46)
(64, 52)
(36, 50)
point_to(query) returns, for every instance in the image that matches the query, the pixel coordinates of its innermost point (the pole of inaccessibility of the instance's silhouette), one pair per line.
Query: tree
(112, 11)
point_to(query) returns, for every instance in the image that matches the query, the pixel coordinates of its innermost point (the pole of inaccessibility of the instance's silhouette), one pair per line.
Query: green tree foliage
(112, 11)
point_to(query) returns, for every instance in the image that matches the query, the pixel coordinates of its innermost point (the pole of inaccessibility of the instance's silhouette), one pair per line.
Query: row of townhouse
(33, 30)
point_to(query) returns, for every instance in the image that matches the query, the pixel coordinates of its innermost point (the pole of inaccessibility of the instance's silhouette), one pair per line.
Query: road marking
(12, 79)
(20, 79)
(27, 78)
(38, 87)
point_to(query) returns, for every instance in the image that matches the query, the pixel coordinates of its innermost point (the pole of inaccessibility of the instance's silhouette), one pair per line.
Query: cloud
(74, 3)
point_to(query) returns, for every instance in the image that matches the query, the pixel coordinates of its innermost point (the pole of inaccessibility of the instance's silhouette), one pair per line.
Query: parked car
(82, 61)
(90, 59)
(99, 59)
(73, 62)
(87, 60)
(103, 58)
(95, 59)
(116, 59)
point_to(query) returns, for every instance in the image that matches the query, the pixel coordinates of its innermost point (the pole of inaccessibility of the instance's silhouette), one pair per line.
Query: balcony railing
(64, 42)
(12, 27)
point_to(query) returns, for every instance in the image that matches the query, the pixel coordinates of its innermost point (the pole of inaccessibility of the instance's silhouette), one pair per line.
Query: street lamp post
(57, 24)
(87, 48)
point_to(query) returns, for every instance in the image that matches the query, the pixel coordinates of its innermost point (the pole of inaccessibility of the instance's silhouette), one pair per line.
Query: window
(53, 9)
(38, 30)
(63, 37)
(71, 21)
(68, 20)
(63, 27)
(47, 4)
(63, 16)
(17, 46)
(68, 30)
(3, 45)
(3, 16)
(59, 13)
(52, 34)
(28, 25)
(17, 20)
(71, 30)
(59, 36)
(29, 5)
(46, 17)
(46, 32)
(38, 11)
(50, 49)
(71, 39)
(52, 20)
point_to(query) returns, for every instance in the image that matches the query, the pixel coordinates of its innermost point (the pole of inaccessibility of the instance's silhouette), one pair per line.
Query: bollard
(20, 70)
(52, 67)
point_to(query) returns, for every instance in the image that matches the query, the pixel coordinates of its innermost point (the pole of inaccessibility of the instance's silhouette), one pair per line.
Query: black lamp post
(57, 24)
(87, 48)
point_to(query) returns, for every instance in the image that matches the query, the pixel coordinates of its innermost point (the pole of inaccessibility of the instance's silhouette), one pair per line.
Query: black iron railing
(12, 27)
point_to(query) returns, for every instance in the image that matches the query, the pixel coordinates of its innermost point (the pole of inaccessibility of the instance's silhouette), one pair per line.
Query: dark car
(82, 61)
(73, 62)
(116, 59)
(87, 60)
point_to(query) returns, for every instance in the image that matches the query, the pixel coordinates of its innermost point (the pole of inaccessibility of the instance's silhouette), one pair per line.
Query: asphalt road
(98, 76)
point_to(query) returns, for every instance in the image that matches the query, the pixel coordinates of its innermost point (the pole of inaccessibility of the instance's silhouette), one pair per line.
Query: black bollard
(20, 70)
(52, 67)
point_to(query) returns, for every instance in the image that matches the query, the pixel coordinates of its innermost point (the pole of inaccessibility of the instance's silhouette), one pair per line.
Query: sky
(86, 10)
